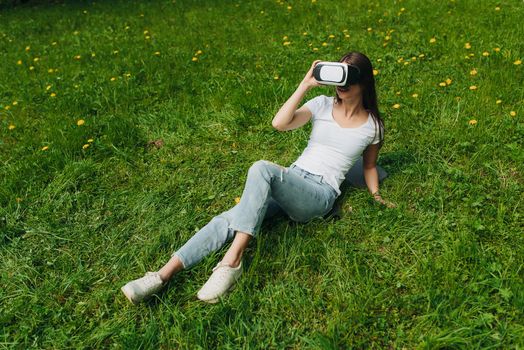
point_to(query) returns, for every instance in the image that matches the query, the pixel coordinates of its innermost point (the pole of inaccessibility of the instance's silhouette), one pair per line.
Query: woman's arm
(288, 116)
(371, 174)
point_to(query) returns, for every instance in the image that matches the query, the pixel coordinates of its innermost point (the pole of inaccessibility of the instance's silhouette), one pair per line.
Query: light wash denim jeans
(269, 189)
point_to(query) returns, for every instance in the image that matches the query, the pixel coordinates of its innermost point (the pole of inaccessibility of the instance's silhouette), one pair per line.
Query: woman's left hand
(377, 197)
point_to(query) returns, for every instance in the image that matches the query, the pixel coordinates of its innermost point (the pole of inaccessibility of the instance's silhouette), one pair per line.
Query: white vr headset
(336, 73)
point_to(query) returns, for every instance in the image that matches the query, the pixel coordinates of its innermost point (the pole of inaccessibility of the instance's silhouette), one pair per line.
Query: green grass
(443, 270)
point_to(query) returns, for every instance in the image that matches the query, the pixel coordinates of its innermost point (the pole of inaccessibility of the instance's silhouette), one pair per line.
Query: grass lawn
(88, 201)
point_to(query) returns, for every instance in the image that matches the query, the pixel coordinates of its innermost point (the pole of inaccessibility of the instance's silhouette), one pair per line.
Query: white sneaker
(219, 283)
(139, 289)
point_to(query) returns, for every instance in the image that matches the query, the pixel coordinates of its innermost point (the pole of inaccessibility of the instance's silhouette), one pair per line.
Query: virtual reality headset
(336, 73)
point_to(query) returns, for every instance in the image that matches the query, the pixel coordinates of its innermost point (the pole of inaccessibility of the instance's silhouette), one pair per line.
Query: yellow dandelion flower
(147, 37)
(54, 43)
(467, 46)
(276, 77)
(448, 81)
(157, 53)
(36, 59)
(127, 27)
(289, 7)
(18, 199)
(485, 54)
(331, 36)
(86, 146)
(77, 57)
(75, 32)
(400, 60)
(498, 102)
(115, 52)
(11, 127)
(7, 108)
(19, 62)
(90, 140)
(31, 68)
(414, 58)
(414, 95)
(421, 55)
(396, 106)
(496, 49)
(93, 54)
(346, 35)
(473, 87)
(471, 54)
(53, 94)
(127, 75)
(324, 44)
(50, 70)
(432, 40)
(313, 1)
(513, 113)
(406, 63)
(517, 62)
(27, 48)
(442, 84)
(194, 59)
(375, 71)
(80, 122)
(472, 122)
(286, 43)
(305, 33)
(146, 32)
(47, 87)
(15, 103)
(402, 9)
(473, 71)
(237, 200)
(45, 148)
(113, 79)
(315, 49)
(370, 29)
(497, 8)
(199, 52)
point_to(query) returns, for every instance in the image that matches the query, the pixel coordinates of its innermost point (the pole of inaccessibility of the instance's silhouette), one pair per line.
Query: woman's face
(352, 92)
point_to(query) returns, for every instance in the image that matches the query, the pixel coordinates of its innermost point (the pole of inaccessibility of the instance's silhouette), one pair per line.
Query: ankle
(232, 262)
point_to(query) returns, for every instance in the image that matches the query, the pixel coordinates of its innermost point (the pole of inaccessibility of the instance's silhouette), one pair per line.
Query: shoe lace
(151, 279)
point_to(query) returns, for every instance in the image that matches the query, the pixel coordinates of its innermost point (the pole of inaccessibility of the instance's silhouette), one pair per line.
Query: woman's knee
(264, 168)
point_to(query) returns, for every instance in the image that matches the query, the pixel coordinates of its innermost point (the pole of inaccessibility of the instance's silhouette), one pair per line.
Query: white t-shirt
(332, 150)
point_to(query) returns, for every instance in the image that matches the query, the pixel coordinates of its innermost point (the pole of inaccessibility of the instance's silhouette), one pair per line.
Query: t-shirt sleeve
(314, 105)
(378, 131)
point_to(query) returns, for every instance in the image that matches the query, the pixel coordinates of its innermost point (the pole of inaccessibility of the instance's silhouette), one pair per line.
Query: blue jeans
(269, 189)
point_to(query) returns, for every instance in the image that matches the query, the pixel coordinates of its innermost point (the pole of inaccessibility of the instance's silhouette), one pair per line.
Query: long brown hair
(367, 84)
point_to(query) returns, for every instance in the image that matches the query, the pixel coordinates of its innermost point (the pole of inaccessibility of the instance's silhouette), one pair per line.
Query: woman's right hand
(309, 81)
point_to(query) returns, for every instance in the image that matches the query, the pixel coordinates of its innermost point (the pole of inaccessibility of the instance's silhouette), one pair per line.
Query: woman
(344, 128)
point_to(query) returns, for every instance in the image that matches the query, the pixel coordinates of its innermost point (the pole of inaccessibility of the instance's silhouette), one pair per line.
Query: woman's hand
(309, 81)
(377, 197)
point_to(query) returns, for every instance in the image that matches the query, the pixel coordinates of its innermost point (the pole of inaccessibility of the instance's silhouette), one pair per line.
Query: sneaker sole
(217, 299)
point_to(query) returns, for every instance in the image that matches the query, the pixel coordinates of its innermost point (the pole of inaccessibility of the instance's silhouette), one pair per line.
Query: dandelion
(448, 81)
(127, 27)
(199, 52)
(31, 68)
(53, 94)
(304, 34)
(93, 54)
(115, 52)
(414, 58)
(324, 44)
(36, 59)
(77, 57)
(517, 62)
(497, 8)
(50, 70)
(472, 122)
(473, 87)
(289, 8)
(80, 122)
(315, 49)
(396, 106)
(414, 95)
(19, 62)
(432, 40)
(467, 46)
(513, 113)
(86, 146)
(346, 35)
(113, 79)
(7, 108)
(286, 43)
(473, 71)
(375, 71)
(485, 54)
(400, 60)
(45, 148)
(127, 75)
(90, 140)
(146, 32)
(11, 127)
(421, 55)
(442, 84)
(496, 49)
(54, 43)
(18, 199)
(194, 59)
(75, 32)
(147, 37)
(471, 54)
(237, 200)
(15, 103)
(370, 29)
(47, 87)
(331, 36)
(498, 102)
(27, 48)
(406, 63)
